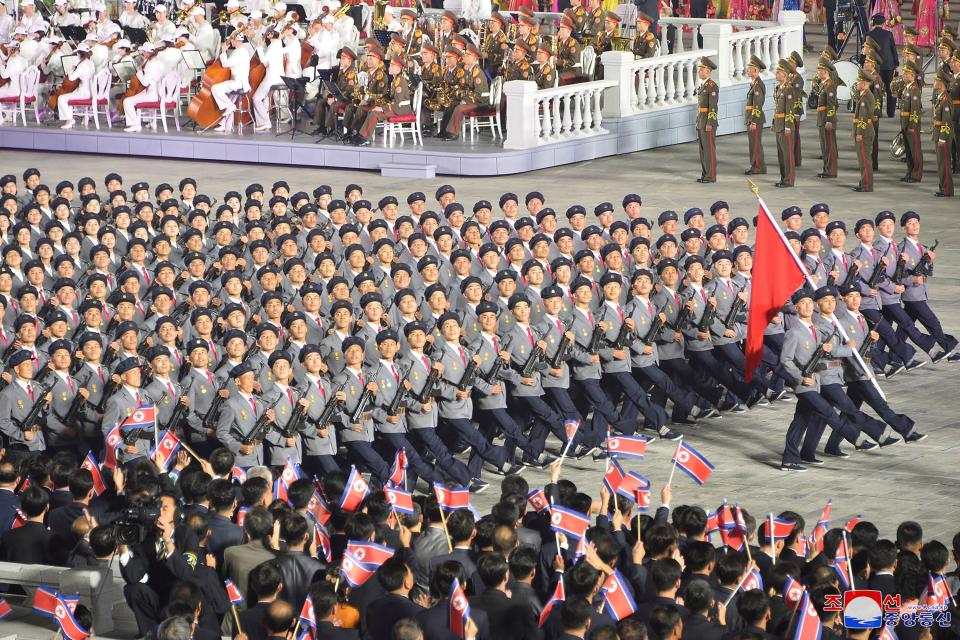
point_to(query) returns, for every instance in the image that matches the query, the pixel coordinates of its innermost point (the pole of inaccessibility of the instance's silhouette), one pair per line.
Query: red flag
(90, 464)
(569, 522)
(398, 474)
(852, 522)
(632, 483)
(111, 442)
(538, 500)
(558, 597)
(5, 609)
(242, 515)
(19, 519)
(936, 595)
(459, 610)
(356, 573)
(753, 581)
(613, 476)
(307, 616)
(319, 508)
(616, 596)
(692, 462)
(238, 474)
(778, 275)
(45, 601)
(68, 623)
(233, 594)
(793, 592)
(808, 622)
(401, 501)
(452, 498)
(820, 529)
(355, 492)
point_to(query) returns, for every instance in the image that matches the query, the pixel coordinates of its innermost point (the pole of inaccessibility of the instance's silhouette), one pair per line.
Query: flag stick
(191, 451)
(773, 540)
(59, 634)
(566, 447)
(446, 533)
(236, 618)
(336, 585)
(813, 285)
(737, 589)
(296, 627)
(846, 546)
(674, 467)
(556, 534)
(793, 614)
(749, 554)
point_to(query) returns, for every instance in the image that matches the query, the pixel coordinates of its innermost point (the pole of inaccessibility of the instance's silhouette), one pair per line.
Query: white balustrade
(536, 117)
(651, 83)
(694, 25)
(769, 43)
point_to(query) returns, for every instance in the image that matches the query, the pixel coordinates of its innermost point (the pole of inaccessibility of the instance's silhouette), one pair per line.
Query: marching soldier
(707, 100)
(63, 435)
(783, 122)
(645, 42)
(239, 417)
(401, 103)
(911, 110)
(122, 404)
(754, 117)
(473, 89)
(16, 403)
(863, 131)
(568, 50)
(943, 133)
(546, 75)
(518, 67)
(796, 82)
(827, 117)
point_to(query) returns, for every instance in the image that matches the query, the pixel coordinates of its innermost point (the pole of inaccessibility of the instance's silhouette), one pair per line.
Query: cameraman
(147, 542)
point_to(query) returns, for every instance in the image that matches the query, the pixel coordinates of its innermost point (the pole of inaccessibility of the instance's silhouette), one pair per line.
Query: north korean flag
(627, 447)
(887, 633)
(321, 537)
(558, 597)
(936, 596)
(632, 483)
(19, 519)
(233, 594)
(692, 463)
(24, 485)
(355, 492)
(90, 464)
(165, 450)
(369, 553)
(820, 529)
(842, 563)
(613, 476)
(568, 522)
(617, 597)
(68, 623)
(307, 616)
(570, 428)
(291, 473)
(45, 601)
(280, 490)
(143, 417)
(398, 473)
(459, 610)
(356, 573)
(537, 500)
(793, 592)
(753, 581)
(318, 508)
(808, 622)
(400, 500)
(238, 475)
(801, 546)
(111, 442)
(781, 528)
(241, 515)
(452, 498)
(713, 523)
(730, 534)
(5, 609)
(852, 522)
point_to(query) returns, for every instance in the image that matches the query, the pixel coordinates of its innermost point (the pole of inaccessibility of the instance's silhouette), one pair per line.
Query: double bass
(65, 87)
(133, 88)
(203, 108)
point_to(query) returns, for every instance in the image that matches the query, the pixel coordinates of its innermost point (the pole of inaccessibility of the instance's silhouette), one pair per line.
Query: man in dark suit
(324, 603)
(239, 561)
(665, 574)
(461, 527)
(297, 567)
(265, 587)
(889, 60)
(33, 543)
(9, 501)
(397, 580)
(883, 562)
(223, 532)
(698, 599)
(754, 609)
(61, 519)
(508, 619)
(435, 621)
(523, 568)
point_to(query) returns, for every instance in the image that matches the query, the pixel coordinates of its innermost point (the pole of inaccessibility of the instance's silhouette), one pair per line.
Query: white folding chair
(100, 100)
(588, 60)
(398, 125)
(29, 87)
(486, 115)
(153, 110)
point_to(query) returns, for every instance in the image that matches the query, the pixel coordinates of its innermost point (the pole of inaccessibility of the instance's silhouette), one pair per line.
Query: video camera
(136, 520)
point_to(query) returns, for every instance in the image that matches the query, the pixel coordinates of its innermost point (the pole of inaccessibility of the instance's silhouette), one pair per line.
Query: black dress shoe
(814, 461)
(859, 189)
(836, 454)
(792, 467)
(941, 194)
(781, 185)
(703, 180)
(748, 172)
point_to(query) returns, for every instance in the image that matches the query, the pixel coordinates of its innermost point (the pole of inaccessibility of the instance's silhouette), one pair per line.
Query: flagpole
(296, 627)
(446, 533)
(674, 468)
(813, 285)
(556, 534)
(566, 447)
(846, 547)
(737, 589)
(236, 618)
(191, 451)
(773, 540)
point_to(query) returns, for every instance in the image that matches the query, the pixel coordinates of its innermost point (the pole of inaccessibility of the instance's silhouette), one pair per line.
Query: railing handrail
(579, 87)
(655, 61)
(754, 33)
(543, 15)
(680, 20)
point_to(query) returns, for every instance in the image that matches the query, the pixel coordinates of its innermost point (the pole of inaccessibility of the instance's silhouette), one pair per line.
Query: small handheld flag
(45, 601)
(617, 597)
(143, 417)
(808, 622)
(452, 498)
(627, 446)
(613, 476)
(459, 610)
(633, 483)
(401, 501)
(558, 597)
(318, 508)
(111, 442)
(398, 473)
(753, 581)
(691, 462)
(820, 529)
(356, 573)
(165, 450)
(5, 609)
(568, 522)
(537, 500)
(90, 464)
(233, 594)
(369, 553)
(355, 492)
(307, 616)
(793, 592)
(68, 623)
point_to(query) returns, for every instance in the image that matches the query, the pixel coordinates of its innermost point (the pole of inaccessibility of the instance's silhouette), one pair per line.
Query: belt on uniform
(832, 364)
(779, 115)
(821, 108)
(905, 113)
(702, 109)
(956, 102)
(937, 122)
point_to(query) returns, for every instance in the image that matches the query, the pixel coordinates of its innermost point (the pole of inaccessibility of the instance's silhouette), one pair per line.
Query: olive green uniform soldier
(327, 109)
(911, 111)
(943, 133)
(799, 107)
(863, 131)
(401, 103)
(707, 100)
(754, 117)
(545, 75)
(827, 116)
(871, 64)
(784, 122)
(377, 90)
(955, 106)
(645, 42)
(473, 90)
(604, 41)
(495, 47)
(567, 59)
(593, 20)
(518, 67)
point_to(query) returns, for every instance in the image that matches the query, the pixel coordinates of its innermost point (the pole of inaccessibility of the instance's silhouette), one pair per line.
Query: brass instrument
(379, 13)
(552, 40)
(342, 11)
(182, 15)
(482, 36)
(898, 147)
(620, 43)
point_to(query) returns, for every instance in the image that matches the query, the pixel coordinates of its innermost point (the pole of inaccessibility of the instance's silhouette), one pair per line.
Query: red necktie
(73, 315)
(100, 371)
(650, 308)
(393, 370)
(813, 330)
(590, 317)
(210, 380)
(170, 389)
(496, 344)
(559, 325)
(530, 335)
(319, 323)
(69, 383)
(140, 308)
(703, 294)
(253, 403)
(360, 378)
(844, 256)
(176, 354)
(138, 398)
(729, 286)
(620, 313)
(213, 349)
(463, 358)
(322, 392)
(860, 322)
(677, 298)
(426, 363)
(873, 254)
(36, 362)
(30, 391)
(146, 276)
(290, 397)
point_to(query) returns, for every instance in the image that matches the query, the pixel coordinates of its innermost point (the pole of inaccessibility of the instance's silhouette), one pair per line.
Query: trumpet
(342, 11)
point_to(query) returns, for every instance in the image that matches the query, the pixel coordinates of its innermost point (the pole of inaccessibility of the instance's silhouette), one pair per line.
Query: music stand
(77, 34)
(193, 59)
(124, 70)
(296, 87)
(334, 90)
(69, 63)
(383, 37)
(135, 36)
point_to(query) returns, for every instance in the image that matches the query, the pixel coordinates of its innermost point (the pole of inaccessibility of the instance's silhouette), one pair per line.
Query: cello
(203, 108)
(65, 87)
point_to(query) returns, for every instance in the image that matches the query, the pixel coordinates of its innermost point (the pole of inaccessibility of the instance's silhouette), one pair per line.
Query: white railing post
(716, 36)
(793, 38)
(521, 102)
(618, 67)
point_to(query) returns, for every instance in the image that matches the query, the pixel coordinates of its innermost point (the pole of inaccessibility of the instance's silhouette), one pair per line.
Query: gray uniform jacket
(726, 293)
(388, 377)
(867, 258)
(582, 366)
(613, 313)
(670, 302)
(202, 392)
(798, 347)
(838, 355)
(700, 301)
(353, 390)
(15, 405)
(236, 421)
(521, 346)
(120, 405)
(284, 402)
(552, 330)
(416, 418)
(913, 292)
(318, 393)
(643, 312)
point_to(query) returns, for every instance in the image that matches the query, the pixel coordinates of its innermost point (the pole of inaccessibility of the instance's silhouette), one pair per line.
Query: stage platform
(481, 158)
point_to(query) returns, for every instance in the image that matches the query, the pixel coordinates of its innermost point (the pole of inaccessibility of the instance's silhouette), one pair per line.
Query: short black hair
(460, 525)
(300, 492)
(81, 484)
(752, 606)
(222, 460)
(263, 581)
(493, 569)
(34, 501)
(221, 495)
(659, 538)
(877, 19)
(103, 540)
(575, 614)
(698, 595)
(324, 600)
(819, 597)
(935, 556)
(698, 555)
(443, 577)
(665, 573)
(883, 555)
(258, 523)
(392, 573)
(293, 528)
(523, 562)
(253, 489)
(909, 534)
(663, 620)
(730, 567)
(359, 526)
